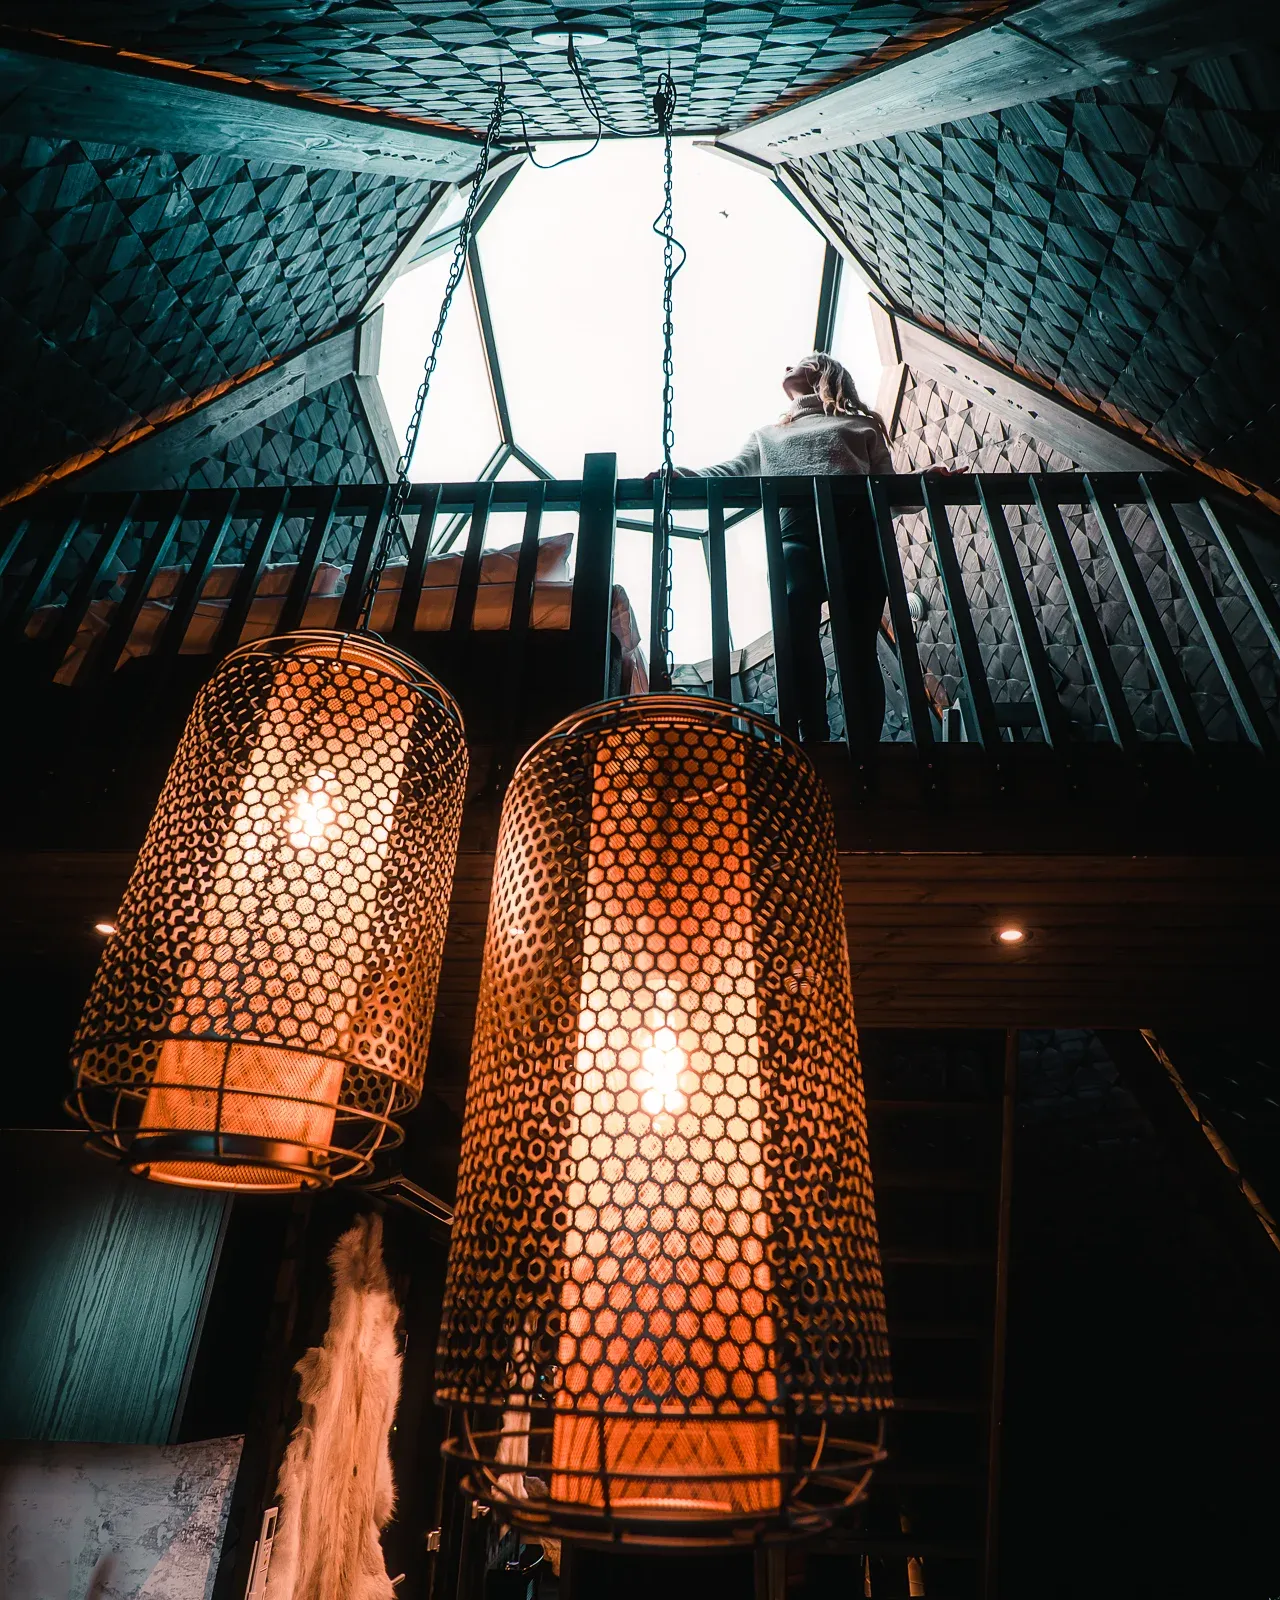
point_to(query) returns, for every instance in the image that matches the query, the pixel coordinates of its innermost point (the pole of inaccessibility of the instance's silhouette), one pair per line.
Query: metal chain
(664, 107)
(394, 525)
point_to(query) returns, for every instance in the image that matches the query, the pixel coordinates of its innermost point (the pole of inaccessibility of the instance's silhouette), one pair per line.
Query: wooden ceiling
(1114, 246)
(438, 58)
(1143, 906)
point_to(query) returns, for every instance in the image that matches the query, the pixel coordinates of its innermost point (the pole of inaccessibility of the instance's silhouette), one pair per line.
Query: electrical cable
(589, 95)
(588, 101)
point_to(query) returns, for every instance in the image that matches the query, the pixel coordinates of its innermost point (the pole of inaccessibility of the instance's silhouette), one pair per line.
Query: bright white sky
(574, 275)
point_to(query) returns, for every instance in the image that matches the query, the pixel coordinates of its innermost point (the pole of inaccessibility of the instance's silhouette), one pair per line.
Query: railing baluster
(1249, 574)
(590, 624)
(464, 605)
(1244, 697)
(17, 522)
(1161, 655)
(37, 543)
(246, 585)
(188, 595)
(293, 612)
(717, 572)
(353, 596)
(919, 715)
(784, 661)
(659, 679)
(406, 618)
(977, 706)
(118, 524)
(1054, 723)
(831, 542)
(522, 595)
(526, 573)
(30, 592)
(1115, 708)
(150, 561)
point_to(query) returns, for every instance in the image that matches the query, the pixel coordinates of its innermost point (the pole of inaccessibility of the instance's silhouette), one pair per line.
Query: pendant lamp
(262, 1012)
(664, 1318)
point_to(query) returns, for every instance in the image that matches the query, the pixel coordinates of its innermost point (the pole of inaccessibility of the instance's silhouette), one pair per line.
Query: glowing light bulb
(659, 1077)
(1011, 935)
(312, 813)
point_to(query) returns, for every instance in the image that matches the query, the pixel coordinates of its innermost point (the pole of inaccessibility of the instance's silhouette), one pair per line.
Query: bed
(551, 608)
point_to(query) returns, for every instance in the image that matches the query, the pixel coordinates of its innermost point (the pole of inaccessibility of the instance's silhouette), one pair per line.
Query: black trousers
(806, 590)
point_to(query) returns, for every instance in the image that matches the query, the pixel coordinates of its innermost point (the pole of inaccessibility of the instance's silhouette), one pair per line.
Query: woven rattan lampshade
(263, 1011)
(664, 1318)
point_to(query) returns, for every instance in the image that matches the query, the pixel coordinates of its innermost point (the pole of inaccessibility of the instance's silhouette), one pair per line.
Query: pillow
(496, 566)
(499, 566)
(276, 580)
(165, 584)
(222, 580)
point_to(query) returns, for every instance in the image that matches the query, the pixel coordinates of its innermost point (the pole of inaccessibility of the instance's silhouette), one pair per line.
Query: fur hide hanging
(336, 1491)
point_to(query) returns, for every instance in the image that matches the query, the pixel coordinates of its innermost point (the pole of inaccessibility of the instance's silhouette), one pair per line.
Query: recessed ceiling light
(106, 929)
(581, 35)
(1011, 934)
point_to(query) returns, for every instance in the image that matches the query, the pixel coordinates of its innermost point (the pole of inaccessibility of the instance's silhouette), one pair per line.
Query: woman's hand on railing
(680, 472)
(939, 471)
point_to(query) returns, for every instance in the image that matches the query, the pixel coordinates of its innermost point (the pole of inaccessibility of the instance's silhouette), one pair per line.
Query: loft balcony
(1082, 678)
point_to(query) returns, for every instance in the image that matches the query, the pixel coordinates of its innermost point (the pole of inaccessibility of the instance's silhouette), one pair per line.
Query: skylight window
(572, 274)
(459, 436)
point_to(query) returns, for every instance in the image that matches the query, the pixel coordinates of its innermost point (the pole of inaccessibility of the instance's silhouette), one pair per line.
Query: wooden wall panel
(1115, 246)
(102, 1289)
(133, 282)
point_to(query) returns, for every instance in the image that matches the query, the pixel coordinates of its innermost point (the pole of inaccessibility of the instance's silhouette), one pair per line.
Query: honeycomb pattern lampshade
(263, 1011)
(664, 1317)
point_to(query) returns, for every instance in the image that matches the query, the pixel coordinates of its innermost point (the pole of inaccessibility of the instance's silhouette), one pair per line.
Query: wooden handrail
(66, 549)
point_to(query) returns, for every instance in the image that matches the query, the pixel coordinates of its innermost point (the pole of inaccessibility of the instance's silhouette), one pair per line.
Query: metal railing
(1133, 607)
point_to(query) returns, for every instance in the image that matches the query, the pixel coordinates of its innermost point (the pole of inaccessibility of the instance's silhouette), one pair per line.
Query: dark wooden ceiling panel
(133, 281)
(439, 58)
(1119, 247)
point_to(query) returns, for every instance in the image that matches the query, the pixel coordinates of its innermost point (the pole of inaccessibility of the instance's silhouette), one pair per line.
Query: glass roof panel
(574, 278)
(853, 337)
(460, 427)
(574, 274)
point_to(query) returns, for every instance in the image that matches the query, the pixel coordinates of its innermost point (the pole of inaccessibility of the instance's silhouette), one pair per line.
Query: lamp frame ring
(846, 1477)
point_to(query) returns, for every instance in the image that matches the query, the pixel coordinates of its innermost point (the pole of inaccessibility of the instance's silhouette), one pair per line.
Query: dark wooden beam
(1024, 52)
(368, 361)
(1204, 1158)
(62, 89)
(1091, 441)
(154, 453)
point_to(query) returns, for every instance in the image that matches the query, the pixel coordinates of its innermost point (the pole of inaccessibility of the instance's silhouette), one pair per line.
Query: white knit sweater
(811, 445)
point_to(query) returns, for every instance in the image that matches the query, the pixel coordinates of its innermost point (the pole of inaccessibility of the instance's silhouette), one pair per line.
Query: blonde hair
(835, 388)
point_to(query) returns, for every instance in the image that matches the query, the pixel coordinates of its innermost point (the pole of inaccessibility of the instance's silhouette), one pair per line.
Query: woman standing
(825, 430)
